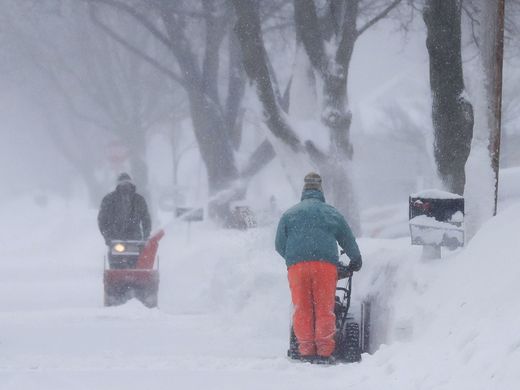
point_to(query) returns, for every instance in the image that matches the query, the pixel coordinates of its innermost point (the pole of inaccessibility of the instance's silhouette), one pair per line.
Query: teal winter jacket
(312, 229)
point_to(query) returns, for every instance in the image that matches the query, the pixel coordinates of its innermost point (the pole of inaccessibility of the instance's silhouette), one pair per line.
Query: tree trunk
(452, 114)
(335, 164)
(249, 34)
(236, 91)
(337, 169)
(208, 118)
(216, 151)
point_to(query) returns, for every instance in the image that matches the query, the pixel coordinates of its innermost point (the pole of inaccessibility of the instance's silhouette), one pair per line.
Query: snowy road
(131, 347)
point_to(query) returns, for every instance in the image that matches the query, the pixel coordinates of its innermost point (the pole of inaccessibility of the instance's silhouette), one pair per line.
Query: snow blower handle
(344, 271)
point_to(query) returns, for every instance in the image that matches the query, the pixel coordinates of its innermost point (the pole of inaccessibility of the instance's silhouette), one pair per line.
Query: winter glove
(355, 264)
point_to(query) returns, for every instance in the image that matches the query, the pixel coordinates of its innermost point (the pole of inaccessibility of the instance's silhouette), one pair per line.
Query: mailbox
(436, 218)
(243, 218)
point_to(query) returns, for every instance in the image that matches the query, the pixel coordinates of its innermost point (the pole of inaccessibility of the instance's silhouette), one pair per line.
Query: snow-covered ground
(224, 309)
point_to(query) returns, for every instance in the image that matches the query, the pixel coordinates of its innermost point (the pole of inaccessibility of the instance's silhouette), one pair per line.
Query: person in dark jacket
(307, 238)
(123, 214)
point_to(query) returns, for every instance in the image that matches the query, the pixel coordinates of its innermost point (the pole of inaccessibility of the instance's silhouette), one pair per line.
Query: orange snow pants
(313, 290)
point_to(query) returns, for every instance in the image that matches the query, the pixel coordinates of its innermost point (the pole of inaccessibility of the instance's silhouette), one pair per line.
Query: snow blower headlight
(120, 248)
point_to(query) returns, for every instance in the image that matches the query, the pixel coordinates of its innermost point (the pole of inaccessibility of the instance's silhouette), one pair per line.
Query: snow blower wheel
(348, 350)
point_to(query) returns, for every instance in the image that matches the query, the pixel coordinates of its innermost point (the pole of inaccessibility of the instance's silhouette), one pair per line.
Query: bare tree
(96, 88)
(195, 33)
(328, 35)
(182, 28)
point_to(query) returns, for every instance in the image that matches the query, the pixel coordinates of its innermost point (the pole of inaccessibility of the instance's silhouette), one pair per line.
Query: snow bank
(450, 324)
(508, 187)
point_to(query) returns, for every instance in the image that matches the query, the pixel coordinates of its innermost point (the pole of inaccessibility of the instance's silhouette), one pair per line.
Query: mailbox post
(436, 219)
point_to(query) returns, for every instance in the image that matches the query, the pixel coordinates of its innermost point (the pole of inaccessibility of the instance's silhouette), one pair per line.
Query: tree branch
(179, 44)
(67, 99)
(256, 66)
(138, 17)
(236, 90)
(123, 42)
(474, 22)
(307, 27)
(378, 17)
(216, 27)
(349, 35)
(263, 154)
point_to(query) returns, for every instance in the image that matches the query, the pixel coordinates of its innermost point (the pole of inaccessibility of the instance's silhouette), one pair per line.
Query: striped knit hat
(312, 181)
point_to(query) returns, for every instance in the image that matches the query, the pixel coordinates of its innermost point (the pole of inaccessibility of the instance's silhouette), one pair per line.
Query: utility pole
(496, 106)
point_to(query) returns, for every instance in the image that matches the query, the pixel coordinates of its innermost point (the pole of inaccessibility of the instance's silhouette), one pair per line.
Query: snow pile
(452, 322)
(508, 187)
(435, 194)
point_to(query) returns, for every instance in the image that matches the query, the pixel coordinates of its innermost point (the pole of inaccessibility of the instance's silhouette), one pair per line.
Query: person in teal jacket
(307, 238)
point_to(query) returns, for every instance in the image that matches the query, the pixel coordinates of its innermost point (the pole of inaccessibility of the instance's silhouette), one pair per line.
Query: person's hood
(126, 186)
(313, 194)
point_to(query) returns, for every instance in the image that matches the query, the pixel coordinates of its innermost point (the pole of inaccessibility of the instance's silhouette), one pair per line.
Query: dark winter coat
(311, 230)
(123, 215)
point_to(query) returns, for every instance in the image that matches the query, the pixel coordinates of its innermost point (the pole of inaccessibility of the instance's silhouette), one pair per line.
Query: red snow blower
(132, 271)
